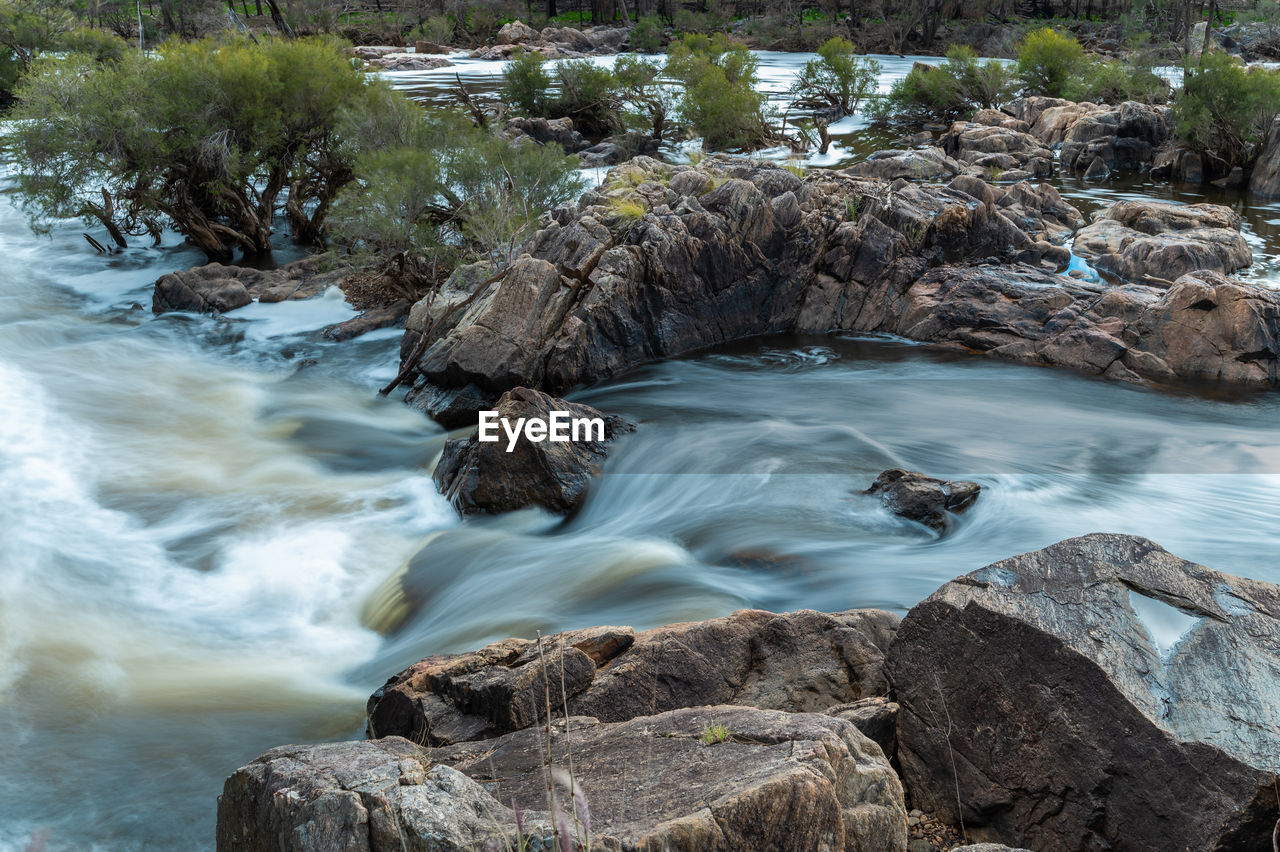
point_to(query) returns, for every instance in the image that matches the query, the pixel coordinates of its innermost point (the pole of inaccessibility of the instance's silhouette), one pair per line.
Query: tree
(642, 89)
(27, 29)
(212, 138)
(1225, 111)
(838, 80)
(1049, 61)
(720, 99)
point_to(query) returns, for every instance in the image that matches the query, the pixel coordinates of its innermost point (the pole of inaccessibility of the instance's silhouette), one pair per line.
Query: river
(215, 537)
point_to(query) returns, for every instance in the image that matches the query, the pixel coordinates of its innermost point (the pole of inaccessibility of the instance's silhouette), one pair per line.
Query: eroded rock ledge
(1033, 698)
(732, 249)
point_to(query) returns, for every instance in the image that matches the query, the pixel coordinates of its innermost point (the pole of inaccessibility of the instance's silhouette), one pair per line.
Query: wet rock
(546, 130)
(803, 661)
(374, 319)
(409, 62)
(913, 164)
(568, 37)
(1097, 170)
(1157, 739)
(791, 782)
(1124, 138)
(218, 288)
(924, 499)
(1265, 179)
(1158, 242)
(494, 476)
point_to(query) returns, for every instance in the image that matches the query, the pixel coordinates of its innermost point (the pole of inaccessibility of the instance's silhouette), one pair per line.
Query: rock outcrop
(999, 151)
(1127, 137)
(218, 288)
(554, 42)
(1079, 719)
(1156, 242)
(802, 661)
(708, 778)
(511, 473)
(544, 130)
(924, 499)
(726, 250)
(908, 164)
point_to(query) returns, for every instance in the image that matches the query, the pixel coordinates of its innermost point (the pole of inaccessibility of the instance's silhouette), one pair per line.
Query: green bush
(212, 138)
(1112, 81)
(646, 35)
(526, 85)
(838, 79)
(27, 29)
(450, 191)
(981, 85)
(640, 88)
(1049, 61)
(438, 29)
(588, 96)
(1224, 110)
(101, 46)
(954, 89)
(719, 100)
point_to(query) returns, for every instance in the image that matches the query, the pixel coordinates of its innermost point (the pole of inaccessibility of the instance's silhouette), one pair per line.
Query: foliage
(714, 734)
(211, 138)
(27, 29)
(1048, 61)
(627, 210)
(450, 190)
(646, 35)
(437, 28)
(981, 85)
(1225, 111)
(954, 89)
(1113, 81)
(838, 79)
(587, 95)
(526, 85)
(641, 89)
(720, 100)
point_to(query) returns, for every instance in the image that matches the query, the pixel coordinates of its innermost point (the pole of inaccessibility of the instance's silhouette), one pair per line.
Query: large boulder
(1152, 241)
(1122, 138)
(1049, 119)
(568, 37)
(911, 164)
(711, 778)
(545, 130)
(218, 288)
(802, 661)
(1265, 179)
(516, 32)
(513, 471)
(1108, 695)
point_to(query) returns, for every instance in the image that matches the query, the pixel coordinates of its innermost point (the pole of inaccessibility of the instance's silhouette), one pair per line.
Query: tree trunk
(278, 19)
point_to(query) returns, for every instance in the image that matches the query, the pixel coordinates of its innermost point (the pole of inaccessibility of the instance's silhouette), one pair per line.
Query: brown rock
(924, 499)
(217, 288)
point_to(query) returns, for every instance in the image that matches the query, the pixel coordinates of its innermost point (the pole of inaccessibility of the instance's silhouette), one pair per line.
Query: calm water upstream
(208, 548)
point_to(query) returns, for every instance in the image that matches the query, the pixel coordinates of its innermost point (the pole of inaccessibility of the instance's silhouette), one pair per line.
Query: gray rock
(1064, 719)
(876, 717)
(218, 288)
(802, 661)
(924, 499)
(912, 164)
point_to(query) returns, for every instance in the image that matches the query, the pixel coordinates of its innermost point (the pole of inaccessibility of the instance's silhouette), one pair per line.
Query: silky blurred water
(215, 537)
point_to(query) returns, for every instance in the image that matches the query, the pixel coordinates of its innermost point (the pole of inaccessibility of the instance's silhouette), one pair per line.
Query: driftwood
(109, 217)
(477, 114)
(99, 247)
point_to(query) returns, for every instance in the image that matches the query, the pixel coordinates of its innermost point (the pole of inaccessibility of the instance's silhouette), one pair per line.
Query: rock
(1159, 242)
(996, 149)
(377, 796)
(875, 717)
(1037, 209)
(913, 164)
(409, 62)
(1234, 179)
(516, 32)
(371, 320)
(798, 662)
(569, 37)
(1075, 722)
(1049, 119)
(480, 476)
(372, 51)
(1097, 170)
(218, 288)
(545, 130)
(1265, 179)
(924, 499)
(429, 47)
(607, 40)
(986, 847)
(1124, 138)
(791, 782)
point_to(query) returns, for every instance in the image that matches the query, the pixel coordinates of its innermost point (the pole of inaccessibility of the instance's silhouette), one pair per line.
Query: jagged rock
(996, 149)
(792, 782)
(996, 118)
(1034, 692)
(986, 847)
(912, 164)
(924, 499)
(496, 476)
(373, 319)
(373, 51)
(569, 37)
(778, 781)
(1155, 241)
(515, 32)
(1050, 119)
(800, 662)
(218, 288)
(1123, 138)
(545, 130)
(1265, 179)
(1037, 209)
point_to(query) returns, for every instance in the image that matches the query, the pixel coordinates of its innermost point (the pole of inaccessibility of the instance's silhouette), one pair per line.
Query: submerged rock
(497, 476)
(218, 288)
(802, 661)
(1039, 693)
(1152, 241)
(710, 778)
(924, 499)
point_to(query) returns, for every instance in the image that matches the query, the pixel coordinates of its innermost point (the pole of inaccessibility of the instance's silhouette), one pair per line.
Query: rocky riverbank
(1036, 702)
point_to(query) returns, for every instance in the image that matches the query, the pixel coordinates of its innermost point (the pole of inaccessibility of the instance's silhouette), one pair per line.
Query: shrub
(640, 88)
(437, 28)
(952, 90)
(1224, 111)
(526, 85)
(588, 96)
(449, 190)
(981, 85)
(27, 29)
(212, 138)
(719, 100)
(646, 35)
(838, 79)
(1113, 81)
(1048, 62)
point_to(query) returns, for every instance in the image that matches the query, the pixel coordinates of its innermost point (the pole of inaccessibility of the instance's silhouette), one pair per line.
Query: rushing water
(215, 538)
